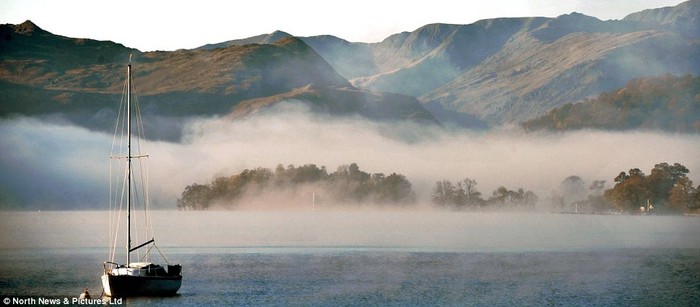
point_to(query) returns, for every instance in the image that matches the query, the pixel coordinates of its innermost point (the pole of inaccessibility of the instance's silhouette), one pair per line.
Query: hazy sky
(170, 25)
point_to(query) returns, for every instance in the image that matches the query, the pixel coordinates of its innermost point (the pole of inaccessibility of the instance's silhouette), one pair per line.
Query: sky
(171, 25)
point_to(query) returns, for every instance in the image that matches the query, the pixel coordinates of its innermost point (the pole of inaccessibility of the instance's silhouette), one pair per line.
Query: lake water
(372, 258)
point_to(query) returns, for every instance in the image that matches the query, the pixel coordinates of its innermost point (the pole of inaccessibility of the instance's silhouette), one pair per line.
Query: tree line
(348, 184)
(464, 195)
(667, 189)
(666, 103)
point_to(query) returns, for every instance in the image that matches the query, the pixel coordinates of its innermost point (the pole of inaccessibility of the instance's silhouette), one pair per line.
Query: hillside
(488, 73)
(539, 70)
(665, 103)
(509, 70)
(343, 101)
(42, 73)
(683, 18)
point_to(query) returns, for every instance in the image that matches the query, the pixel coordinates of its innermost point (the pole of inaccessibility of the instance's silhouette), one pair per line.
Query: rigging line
(119, 125)
(144, 168)
(123, 118)
(118, 149)
(144, 172)
(119, 215)
(114, 198)
(149, 226)
(137, 113)
(144, 181)
(141, 202)
(148, 252)
(136, 201)
(161, 254)
(119, 118)
(122, 195)
(110, 219)
(112, 201)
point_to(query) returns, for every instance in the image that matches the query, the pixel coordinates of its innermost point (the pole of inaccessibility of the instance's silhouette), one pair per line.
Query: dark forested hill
(665, 103)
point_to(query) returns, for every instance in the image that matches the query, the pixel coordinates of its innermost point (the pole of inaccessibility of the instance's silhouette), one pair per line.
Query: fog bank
(57, 165)
(261, 231)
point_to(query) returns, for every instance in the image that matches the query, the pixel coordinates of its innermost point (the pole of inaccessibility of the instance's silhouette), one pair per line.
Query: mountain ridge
(455, 85)
(44, 73)
(453, 65)
(495, 71)
(683, 18)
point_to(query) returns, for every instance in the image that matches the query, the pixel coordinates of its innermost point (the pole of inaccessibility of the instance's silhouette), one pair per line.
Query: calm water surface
(374, 258)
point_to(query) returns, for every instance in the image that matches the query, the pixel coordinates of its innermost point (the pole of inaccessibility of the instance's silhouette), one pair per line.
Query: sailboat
(140, 277)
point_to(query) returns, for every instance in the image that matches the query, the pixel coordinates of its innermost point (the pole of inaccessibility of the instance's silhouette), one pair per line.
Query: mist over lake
(299, 254)
(412, 229)
(371, 257)
(56, 165)
(522, 160)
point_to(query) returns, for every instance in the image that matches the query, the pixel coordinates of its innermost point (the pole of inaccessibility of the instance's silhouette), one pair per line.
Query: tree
(573, 189)
(695, 204)
(629, 194)
(395, 189)
(195, 197)
(457, 196)
(470, 197)
(682, 195)
(635, 190)
(348, 184)
(597, 187)
(443, 193)
(557, 201)
(500, 196)
(529, 199)
(662, 179)
(635, 172)
(621, 177)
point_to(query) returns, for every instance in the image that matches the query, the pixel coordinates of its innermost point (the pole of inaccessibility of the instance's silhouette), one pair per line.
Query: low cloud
(57, 165)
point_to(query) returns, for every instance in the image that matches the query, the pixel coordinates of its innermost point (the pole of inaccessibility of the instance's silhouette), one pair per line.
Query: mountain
(683, 18)
(343, 101)
(663, 103)
(349, 59)
(42, 73)
(259, 39)
(488, 73)
(551, 62)
(509, 70)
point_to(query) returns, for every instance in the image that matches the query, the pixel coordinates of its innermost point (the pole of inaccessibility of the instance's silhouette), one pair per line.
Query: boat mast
(128, 159)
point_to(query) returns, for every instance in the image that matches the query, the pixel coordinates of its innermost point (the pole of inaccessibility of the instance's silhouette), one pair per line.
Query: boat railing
(111, 264)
